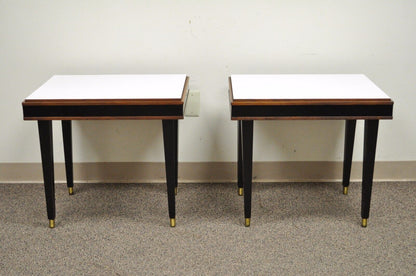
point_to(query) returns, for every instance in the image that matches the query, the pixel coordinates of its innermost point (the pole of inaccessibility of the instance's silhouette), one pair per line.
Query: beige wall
(208, 40)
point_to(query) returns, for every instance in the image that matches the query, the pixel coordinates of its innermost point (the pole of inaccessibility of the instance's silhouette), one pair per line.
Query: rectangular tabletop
(108, 97)
(307, 96)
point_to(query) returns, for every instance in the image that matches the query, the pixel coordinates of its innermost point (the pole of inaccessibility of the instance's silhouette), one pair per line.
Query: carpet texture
(123, 229)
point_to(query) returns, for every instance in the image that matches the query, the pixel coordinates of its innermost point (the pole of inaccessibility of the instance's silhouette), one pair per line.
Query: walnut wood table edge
(235, 102)
(90, 118)
(239, 118)
(103, 102)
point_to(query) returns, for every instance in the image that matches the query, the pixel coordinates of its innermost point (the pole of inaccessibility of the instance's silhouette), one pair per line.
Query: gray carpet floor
(123, 229)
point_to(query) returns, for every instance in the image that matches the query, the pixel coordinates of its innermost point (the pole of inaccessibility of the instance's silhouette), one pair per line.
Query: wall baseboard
(206, 172)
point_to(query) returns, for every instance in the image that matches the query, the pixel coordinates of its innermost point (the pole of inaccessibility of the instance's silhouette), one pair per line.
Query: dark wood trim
(313, 102)
(121, 102)
(306, 111)
(312, 118)
(68, 112)
(79, 118)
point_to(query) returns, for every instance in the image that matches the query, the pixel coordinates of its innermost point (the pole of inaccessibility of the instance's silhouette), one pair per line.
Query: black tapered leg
(175, 137)
(46, 149)
(370, 142)
(170, 129)
(239, 161)
(67, 137)
(247, 154)
(348, 149)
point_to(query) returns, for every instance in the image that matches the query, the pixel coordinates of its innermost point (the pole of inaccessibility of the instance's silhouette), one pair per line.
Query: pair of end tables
(346, 97)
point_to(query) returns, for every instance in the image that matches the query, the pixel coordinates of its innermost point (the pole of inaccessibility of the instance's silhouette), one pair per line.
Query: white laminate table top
(109, 87)
(304, 86)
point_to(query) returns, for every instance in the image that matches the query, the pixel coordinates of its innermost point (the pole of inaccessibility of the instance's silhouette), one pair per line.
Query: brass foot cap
(176, 190)
(345, 192)
(51, 223)
(364, 222)
(172, 222)
(71, 190)
(240, 191)
(247, 222)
